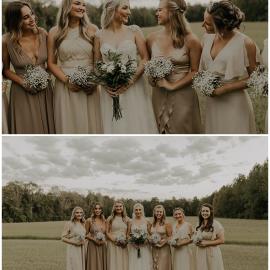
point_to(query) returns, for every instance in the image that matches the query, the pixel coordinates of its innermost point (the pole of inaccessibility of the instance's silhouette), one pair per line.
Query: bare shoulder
(43, 31)
(92, 29)
(153, 36)
(53, 31)
(5, 38)
(249, 43)
(192, 40)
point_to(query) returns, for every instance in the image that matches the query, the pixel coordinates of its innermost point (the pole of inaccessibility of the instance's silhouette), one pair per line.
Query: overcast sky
(132, 167)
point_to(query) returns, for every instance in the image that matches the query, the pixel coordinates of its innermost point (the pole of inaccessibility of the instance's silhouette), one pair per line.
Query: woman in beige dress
(175, 103)
(74, 236)
(231, 55)
(182, 257)
(209, 234)
(30, 112)
(70, 45)
(265, 63)
(139, 223)
(117, 226)
(96, 258)
(161, 252)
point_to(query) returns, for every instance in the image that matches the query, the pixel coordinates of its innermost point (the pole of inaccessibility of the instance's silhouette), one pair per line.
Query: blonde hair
(179, 209)
(163, 217)
(63, 24)
(93, 216)
(72, 218)
(113, 213)
(135, 206)
(178, 22)
(108, 12)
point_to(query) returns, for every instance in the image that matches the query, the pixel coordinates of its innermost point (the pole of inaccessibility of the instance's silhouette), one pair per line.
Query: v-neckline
(38, 52)
(226, 45)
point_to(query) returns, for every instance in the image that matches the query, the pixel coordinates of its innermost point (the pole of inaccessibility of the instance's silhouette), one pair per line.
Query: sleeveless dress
(4, 108)
(144, 262)
(117, 256)
(162, 259)
(29, 114)
(96, 258)
(137, 110)
(75, 254)
(75, 112)
(177, 112)
(265, 63)
(210, 258)
(182, 257)
(232, 112)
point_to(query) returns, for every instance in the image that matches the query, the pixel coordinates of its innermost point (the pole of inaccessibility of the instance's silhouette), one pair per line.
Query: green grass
(50, 255)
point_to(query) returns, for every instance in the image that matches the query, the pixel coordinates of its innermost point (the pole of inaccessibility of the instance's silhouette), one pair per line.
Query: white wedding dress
(136, 105)
(144, 262)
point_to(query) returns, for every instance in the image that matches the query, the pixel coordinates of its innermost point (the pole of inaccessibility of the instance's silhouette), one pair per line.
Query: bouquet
(206, 82)
(115, 73)
(259, 81)
(197, 237)
(155, 238)
(121, 240)
(82, 76)
(138, 237)
(100, 236)
(158, 67)
(173, 241)
(36, 78)
(79, 237)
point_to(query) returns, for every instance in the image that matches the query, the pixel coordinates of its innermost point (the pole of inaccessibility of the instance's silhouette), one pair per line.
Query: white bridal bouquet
(155, 238)
(100, 236)
(173, 241)
(121, 240)
(197, 237)
(138, 237)
(259, 81)
(158, 67)
(206, 82)
(79, 237)
(115, 73)
(36, 78)
(82, 76)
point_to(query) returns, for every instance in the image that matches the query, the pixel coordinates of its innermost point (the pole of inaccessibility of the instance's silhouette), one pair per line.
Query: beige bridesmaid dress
(96, 258)
(182, 257)
(177, 112)
(162, 259)
(75, 254)
(231, 113)
(210, 258)
(29, 114)
(75, 112)
(117, 256)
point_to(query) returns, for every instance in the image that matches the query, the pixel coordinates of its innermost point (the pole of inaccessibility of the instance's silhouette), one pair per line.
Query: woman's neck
(74, 22)
(225, 35)
(180, 222)
(167, 29)
(28, 33)
(115, 26)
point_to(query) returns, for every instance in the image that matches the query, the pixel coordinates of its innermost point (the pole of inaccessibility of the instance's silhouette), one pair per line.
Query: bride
(135, 100)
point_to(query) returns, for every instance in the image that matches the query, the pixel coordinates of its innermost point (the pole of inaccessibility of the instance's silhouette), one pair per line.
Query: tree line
(246, 197)
(46, 12)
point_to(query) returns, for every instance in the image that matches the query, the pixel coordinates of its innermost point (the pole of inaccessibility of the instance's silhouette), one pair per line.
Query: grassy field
(245, 248)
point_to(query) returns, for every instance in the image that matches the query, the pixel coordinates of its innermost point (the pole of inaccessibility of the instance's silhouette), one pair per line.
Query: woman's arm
(195, 49)
(241, 84)
(187, 240)
(66, 237)
(218, 241)
(108, 231)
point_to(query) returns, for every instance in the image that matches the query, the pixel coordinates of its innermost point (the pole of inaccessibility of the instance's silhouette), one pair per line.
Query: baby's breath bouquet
(82, 76)
(100, 236)
(155, 238)
(158, 67)
(36, 78)
(206, 82)
(79, 237)
(197, 237)
(173, 241)
(138, 237)
(116, 72)
(259, 81)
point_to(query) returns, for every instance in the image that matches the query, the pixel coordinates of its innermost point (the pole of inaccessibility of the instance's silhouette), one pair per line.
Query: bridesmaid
(232, 55)
(73, 235)
(117, 224)
(134, 98)
(182, 257)
(96, 258)
(70, 45)
(161, 251)
(175, 103)
(265, 63)
(208, 254)
(25, 44)
(139, 222)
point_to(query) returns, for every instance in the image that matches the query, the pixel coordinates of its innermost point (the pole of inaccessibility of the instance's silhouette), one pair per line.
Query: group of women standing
(172, 105)
(171, 251)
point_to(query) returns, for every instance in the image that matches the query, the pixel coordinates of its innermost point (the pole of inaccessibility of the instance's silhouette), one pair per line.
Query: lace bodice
(142, 227)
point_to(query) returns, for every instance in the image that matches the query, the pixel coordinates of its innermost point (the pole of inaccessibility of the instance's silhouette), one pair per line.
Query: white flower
(123, 69)
(100, 236)
(158, 67)
(155, 238)
(110, 67)
(259, 81)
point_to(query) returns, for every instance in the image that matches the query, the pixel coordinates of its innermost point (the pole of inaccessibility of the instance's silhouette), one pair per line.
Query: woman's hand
(90, 90)
(29, 89)
(219, 91)
(73, 87)
(152, 81)
(80, 243)
(203, 243)
(163, 83)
